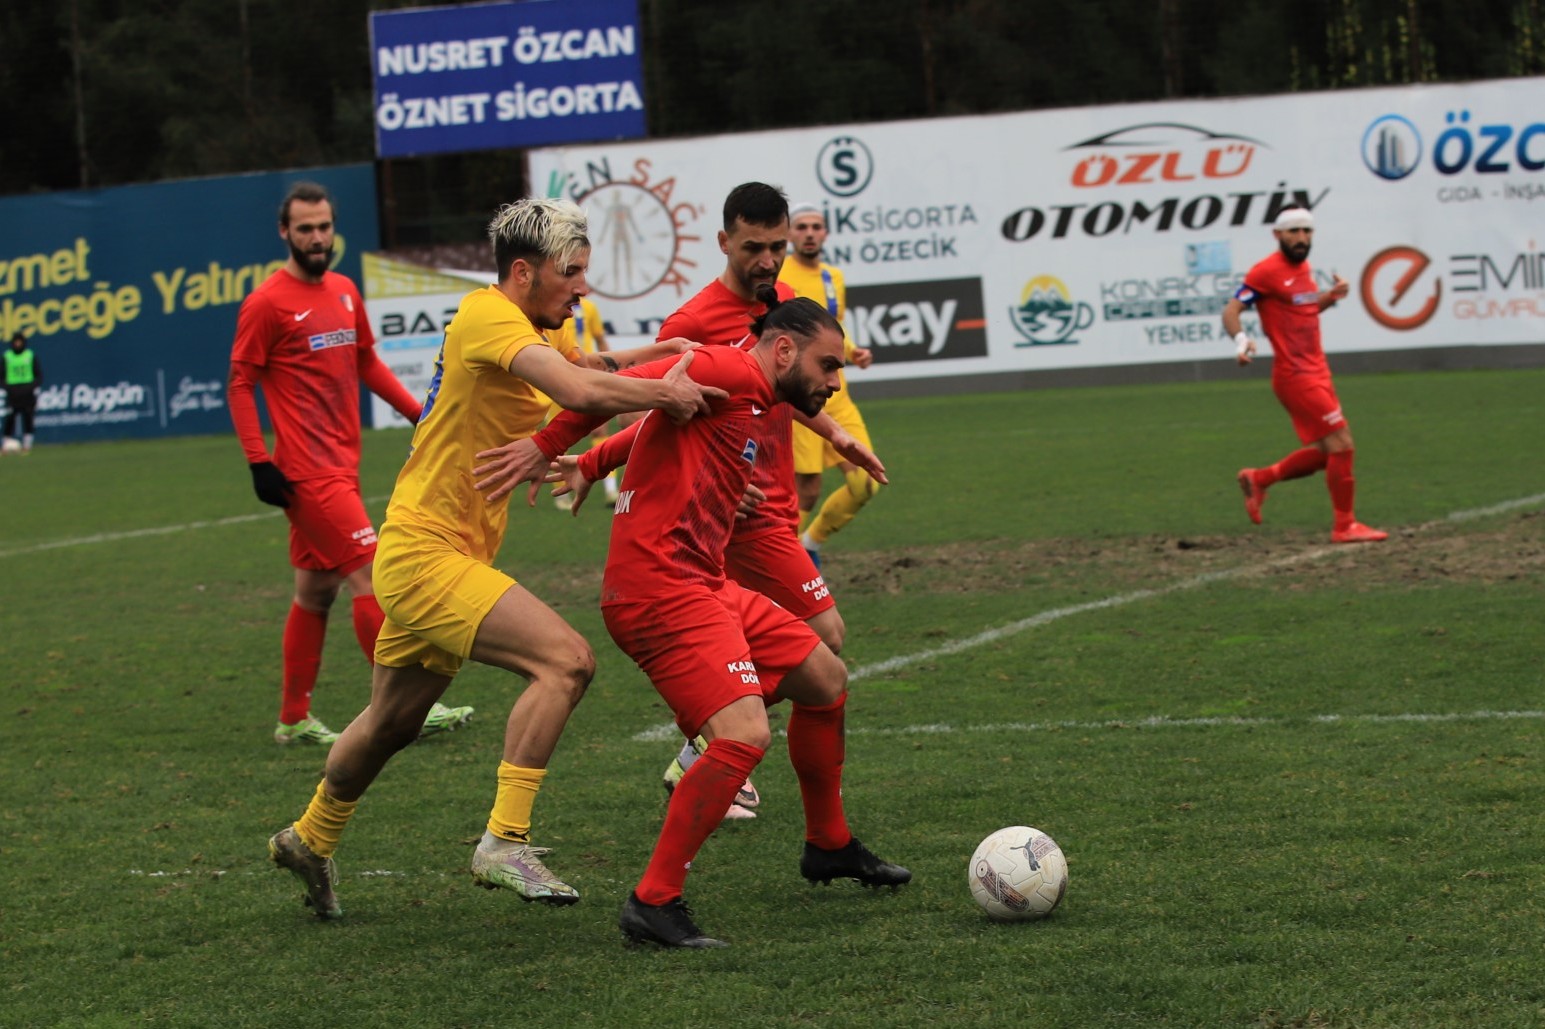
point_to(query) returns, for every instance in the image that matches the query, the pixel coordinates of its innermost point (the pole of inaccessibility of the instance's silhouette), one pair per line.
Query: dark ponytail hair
(800, 317)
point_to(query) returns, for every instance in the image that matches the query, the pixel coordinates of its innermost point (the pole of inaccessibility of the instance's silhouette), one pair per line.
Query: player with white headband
(1283, 291)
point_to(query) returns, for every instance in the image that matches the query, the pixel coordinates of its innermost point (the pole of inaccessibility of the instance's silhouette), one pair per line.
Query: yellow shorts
(812, 454)
(434, 598)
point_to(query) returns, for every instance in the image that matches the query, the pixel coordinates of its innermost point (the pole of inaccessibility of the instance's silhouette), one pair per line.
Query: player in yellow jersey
(588, 335)
(444, 601)
(809, 276)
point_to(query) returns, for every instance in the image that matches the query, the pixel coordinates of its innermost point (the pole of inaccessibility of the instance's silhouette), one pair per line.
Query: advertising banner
(1104, 236)
(488, 76)
(409, 307)
(129, 296)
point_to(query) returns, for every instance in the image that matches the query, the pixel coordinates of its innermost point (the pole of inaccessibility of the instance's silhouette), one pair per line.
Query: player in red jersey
(1283, 291)
(303, 336)
(717, 652)
(764, 553)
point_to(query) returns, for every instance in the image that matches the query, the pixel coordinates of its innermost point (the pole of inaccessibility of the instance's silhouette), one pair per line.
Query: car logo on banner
(844, 166)
(1157, 158)
(1388, 281)
(919, 321)
(1047, 314)
(1157, 152)
(1392, 148)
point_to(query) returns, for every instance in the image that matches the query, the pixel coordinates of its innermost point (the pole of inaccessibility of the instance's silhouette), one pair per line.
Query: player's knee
(862, 485)
(828, 677)
(570, 669)
(744, 721)
(752, 735)
(395, 735)
(317, 600)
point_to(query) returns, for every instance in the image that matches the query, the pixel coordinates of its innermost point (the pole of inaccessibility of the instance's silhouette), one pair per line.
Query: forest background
(100, 93)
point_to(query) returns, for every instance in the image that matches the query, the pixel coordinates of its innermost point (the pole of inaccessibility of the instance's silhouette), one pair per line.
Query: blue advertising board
(129, 295)
(497, 75)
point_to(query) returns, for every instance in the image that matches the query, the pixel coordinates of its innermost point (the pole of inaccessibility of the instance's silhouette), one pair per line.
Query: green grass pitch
(1297, 785)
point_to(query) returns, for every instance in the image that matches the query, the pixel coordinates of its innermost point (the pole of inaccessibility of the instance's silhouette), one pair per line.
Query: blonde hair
(535, 228)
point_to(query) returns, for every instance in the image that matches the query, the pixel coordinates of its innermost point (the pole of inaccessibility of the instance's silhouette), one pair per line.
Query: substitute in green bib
(23, 375)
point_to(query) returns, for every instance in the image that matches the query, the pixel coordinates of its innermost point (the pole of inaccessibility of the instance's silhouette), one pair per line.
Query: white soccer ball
(1018, 874)
(12, 445)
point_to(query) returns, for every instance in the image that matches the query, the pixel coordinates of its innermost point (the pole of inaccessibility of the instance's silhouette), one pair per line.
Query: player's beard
(751, 281)
(804, 396)
(1296, 253)
(313, 262)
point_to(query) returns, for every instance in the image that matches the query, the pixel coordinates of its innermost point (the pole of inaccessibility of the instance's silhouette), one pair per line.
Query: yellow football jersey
(474, 403)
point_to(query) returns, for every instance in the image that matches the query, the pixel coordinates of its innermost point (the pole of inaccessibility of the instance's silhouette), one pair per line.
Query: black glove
(269, 483)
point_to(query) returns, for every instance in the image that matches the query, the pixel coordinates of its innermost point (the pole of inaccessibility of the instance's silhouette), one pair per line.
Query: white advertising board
(409, 307)
(1109, 235)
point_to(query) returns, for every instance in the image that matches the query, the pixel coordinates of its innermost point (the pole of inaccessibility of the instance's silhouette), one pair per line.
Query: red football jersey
(306, 338)
(717, 317)
(676, 507)
(1288, 301)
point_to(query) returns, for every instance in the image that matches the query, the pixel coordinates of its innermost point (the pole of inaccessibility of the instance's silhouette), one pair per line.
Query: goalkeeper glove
(270, 485)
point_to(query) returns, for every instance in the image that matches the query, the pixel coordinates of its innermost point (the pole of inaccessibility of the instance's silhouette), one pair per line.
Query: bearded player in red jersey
(764, 552)
(303, 336)
(718, 652)
(1284, 293)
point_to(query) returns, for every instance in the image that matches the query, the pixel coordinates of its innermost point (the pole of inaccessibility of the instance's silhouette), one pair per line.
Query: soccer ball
(12, 445)
(1018, 874)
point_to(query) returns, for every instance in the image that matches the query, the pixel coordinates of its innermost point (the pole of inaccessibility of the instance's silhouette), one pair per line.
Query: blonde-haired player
(443, 598)
(809, 276)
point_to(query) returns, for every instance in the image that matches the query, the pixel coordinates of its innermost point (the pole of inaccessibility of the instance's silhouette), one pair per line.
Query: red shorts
(1312, 405)
(706, 649)
(778, 567)
(329, 529)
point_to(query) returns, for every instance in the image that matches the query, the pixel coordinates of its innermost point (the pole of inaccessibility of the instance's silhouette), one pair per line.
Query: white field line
(669, 730)
(1156, 722)
(129, 534)
(168, 530)
(1506, 505)
(157, 530)
(1165, 722)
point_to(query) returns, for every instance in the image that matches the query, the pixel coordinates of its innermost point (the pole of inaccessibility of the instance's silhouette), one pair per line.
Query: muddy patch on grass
(1428, 555)
(1496, 551)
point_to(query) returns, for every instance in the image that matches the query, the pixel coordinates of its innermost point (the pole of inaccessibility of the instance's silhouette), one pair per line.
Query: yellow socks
(323, 822)
(842, 505)
(511, 816)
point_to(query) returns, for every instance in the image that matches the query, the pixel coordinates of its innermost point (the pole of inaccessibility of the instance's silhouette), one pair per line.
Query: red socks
(367, 624)
(1338, 478)
(1299, 463)
(697, 806)
(304, 632)
(1307, 461)
(817, 749)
